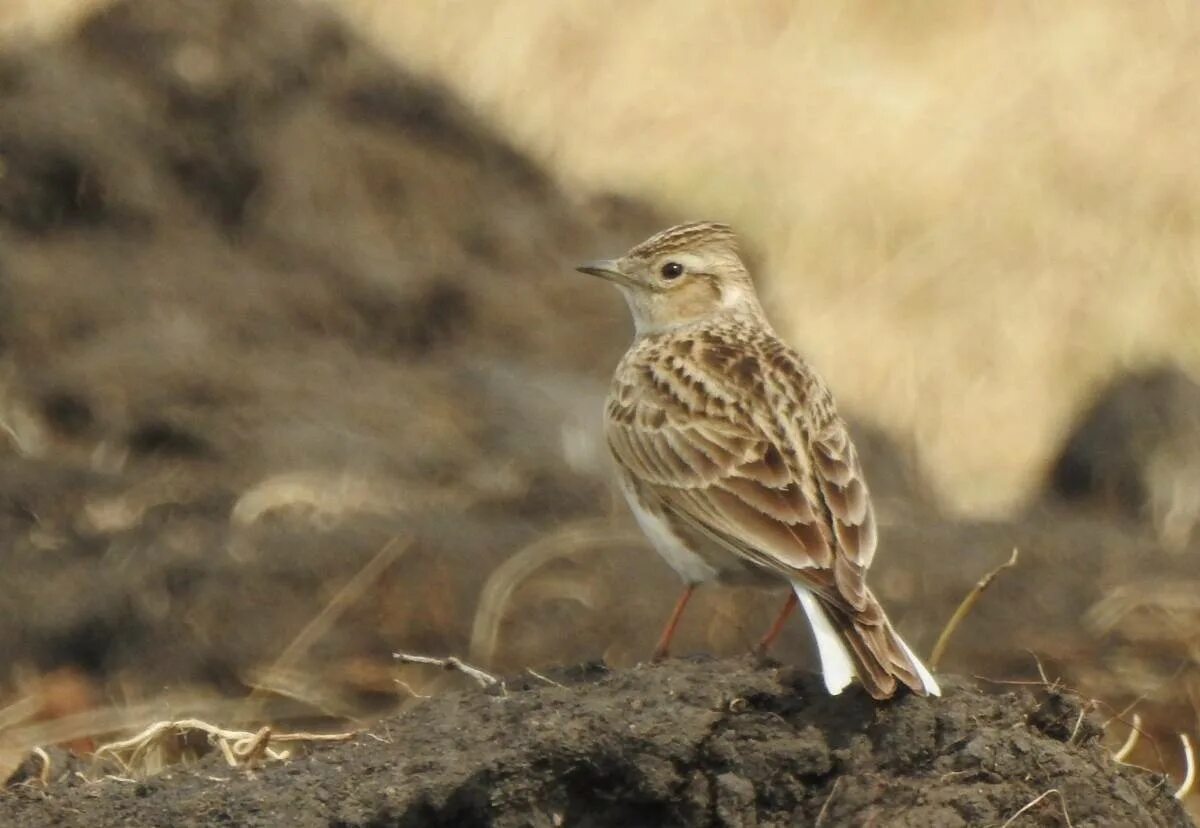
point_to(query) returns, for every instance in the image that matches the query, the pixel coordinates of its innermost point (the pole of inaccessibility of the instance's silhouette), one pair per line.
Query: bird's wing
(769, 482)
(843, 488)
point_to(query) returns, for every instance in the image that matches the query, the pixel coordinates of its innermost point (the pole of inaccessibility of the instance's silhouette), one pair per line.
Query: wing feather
(782, 488)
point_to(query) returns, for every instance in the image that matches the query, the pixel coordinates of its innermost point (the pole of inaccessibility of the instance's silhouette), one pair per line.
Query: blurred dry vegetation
(969, 213)
(276, 309)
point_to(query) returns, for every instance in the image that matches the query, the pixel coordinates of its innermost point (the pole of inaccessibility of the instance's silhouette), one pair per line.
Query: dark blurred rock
(1136, 452)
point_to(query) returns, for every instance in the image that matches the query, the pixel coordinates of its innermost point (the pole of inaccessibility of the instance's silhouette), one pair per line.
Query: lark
(734, 460)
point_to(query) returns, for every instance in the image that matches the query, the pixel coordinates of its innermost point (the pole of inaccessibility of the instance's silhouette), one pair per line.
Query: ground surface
(700, 742)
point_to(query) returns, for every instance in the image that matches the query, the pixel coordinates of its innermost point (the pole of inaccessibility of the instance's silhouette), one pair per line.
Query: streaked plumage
(732, 456)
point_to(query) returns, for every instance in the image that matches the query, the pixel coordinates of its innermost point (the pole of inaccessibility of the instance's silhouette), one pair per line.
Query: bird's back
(730, 370)
(719, 423)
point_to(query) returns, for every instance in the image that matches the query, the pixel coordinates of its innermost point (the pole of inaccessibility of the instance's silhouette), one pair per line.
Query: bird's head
(688, 273)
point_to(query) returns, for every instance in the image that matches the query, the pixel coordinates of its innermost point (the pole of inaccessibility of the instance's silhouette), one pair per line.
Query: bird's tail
(865, 645)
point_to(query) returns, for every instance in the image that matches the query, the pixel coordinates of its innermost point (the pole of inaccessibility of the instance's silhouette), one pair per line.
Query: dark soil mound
(268, 301)
(683, 743)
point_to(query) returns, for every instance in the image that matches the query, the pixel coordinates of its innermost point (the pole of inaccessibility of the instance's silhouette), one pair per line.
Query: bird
(732, 456)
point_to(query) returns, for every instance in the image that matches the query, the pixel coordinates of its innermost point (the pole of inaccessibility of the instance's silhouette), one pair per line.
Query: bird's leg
(664, 640)
(777, 627)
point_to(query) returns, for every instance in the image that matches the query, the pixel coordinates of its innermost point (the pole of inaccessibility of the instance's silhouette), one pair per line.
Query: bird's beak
(606, 269)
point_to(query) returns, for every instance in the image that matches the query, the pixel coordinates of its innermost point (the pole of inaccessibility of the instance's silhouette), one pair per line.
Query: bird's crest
(696, 234)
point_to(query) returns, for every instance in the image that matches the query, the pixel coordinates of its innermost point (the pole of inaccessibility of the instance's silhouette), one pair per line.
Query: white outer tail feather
(927, 679)
(837, 667)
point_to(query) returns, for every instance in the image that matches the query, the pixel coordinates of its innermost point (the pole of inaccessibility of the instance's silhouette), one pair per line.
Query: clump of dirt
(687, 742)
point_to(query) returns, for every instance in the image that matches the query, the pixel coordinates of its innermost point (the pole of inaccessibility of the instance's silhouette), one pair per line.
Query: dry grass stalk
(44, 773)
(1084, 709)
(511, 575)
(824, 812)
(1031, 803)
(320, 624)
(312, 690)
(1137, 733)
(845, 141)
(169, 742)
(1131, 740)
(21, 710)
(1189, 779)
(100, 721)
(964, 609)
(544, 678)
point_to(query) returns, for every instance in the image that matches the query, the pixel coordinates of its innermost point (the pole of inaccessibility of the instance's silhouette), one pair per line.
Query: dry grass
(23, 18)
(969, 213)
(578, 539)
(155, 747)
(964, 609)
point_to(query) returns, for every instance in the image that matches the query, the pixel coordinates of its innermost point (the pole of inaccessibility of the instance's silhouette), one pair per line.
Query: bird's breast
(667, 541)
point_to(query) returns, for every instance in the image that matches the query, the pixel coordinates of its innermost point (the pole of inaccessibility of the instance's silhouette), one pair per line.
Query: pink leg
(777, 627)
(664, 641)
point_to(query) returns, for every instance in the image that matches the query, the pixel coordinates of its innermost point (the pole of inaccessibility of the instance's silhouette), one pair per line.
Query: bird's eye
(672, 270)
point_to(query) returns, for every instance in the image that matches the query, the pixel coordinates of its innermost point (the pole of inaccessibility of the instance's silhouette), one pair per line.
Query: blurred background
(295, 372)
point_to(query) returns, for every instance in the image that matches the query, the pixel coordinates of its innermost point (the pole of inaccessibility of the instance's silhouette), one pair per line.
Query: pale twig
(1041, 670)
(964, 608)
(1042, 682)
(824, 812)
(542, 678)
(483, 679)
(408, 689)
(1014, 682)
(1136, 724)
(1189, 757)
(1083, 711)
(1130, 741)
(44, 774)
(1035, 801)
(1126, 709)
